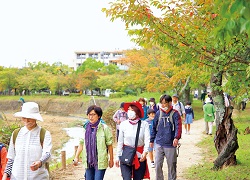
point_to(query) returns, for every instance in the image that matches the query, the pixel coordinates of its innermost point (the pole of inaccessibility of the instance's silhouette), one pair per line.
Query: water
(75, 133)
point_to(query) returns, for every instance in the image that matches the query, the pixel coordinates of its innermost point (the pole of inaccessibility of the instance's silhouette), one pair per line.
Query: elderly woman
(95, 146)
(139, 169)
(29, 148)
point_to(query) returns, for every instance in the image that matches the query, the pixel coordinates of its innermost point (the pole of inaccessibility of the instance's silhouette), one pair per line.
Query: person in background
(21, 100)
(119, 116)
(26, 155)
(139, 169)
(142, 101)
(209, 111)
(149, 120)
(166, 132)
(177, 105)
(189, 117)
(96, 147)
(153, 105)
(3, 159)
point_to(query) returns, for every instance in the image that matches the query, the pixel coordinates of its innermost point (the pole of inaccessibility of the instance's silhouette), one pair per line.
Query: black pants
(243, 105)
(138, 174)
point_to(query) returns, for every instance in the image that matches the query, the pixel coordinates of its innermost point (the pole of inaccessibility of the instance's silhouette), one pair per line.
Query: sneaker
(152, 164)
(188, 133)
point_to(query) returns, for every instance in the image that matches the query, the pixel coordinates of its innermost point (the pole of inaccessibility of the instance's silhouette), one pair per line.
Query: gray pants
(171, 156)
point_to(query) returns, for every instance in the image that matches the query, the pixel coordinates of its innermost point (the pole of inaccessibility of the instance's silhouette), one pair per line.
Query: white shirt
(127, 136)
(27, 150)
(177, 107)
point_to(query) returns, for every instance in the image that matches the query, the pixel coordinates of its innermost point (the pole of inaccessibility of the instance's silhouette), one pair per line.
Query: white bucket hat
(208, 100)
(30, 110)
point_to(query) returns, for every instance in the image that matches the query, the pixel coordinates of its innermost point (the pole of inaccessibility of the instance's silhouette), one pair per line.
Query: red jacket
(3, 161)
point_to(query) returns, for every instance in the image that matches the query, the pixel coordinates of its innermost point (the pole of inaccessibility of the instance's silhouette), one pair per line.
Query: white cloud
(52, 30)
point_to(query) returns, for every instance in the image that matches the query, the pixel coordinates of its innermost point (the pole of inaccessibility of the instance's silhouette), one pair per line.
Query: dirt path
(189, 155)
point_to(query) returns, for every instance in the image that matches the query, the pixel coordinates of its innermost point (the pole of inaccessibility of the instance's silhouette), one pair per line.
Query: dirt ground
(189, 155)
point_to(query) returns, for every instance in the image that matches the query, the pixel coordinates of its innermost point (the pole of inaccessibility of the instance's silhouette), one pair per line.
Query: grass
(241, 170)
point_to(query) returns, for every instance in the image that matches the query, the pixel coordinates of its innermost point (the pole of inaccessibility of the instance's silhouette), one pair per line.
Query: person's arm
(153, 132)
(115, 117)
(178, 128)
(78, 152)
(111, 156)
(146, 142)
(120, 143)
(8, 169)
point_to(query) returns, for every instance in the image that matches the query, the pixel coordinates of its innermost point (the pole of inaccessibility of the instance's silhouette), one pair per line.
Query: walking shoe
(152, 165)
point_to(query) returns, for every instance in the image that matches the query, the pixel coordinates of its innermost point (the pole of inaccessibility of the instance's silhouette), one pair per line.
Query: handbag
(128, 152)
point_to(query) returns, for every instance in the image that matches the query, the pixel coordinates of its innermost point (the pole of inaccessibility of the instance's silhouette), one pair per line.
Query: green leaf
(230, 24)
(235, 6)
(224, 8)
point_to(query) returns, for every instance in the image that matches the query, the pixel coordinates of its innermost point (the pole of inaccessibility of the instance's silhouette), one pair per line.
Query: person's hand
(5, 176)
(143, 157)
(117, 163)
(118, 122)
(35, 165)
(151, 145)
(75, 161)
(111, 163)
(175, 142)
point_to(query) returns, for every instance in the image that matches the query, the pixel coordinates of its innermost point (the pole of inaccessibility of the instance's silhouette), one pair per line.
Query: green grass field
(241, 171)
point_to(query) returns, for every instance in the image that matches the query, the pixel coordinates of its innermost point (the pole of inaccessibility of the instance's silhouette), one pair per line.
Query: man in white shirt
(178, 106)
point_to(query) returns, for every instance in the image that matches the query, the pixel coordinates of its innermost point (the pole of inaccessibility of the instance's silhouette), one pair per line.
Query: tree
(149, 65)
(8, 79)
(90, 64)
(191, 32)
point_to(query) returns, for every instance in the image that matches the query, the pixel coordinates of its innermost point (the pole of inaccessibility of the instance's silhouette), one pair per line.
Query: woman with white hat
(209, 111)
(27, 154)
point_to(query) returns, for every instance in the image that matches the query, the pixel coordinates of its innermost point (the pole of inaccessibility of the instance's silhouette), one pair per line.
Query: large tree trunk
(226, 142)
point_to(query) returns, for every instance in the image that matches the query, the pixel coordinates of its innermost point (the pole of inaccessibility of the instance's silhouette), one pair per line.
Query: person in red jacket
(3, 159)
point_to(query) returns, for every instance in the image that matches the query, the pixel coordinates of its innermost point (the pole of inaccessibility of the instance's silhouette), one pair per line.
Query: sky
(52, 30)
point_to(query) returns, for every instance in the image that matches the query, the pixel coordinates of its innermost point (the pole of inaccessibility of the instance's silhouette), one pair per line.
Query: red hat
(135, 103)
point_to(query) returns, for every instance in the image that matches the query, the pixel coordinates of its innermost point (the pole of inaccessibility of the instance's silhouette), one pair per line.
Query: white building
(107, 57)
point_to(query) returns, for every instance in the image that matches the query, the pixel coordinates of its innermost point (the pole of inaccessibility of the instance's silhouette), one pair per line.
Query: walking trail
(189, 155)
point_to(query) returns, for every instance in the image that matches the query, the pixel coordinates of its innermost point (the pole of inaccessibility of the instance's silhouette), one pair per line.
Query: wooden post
(76, 147)
(63, 154)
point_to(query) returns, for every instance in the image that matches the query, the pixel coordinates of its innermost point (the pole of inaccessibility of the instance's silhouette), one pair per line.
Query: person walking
(153, 105)
(96, 147)
(189, 117)
(177, 105)
(27, 155)
(166, 132)
(128, 129)
(119, 116)
(209, 111)
(151, 115)
(142, 101)
(3, 158)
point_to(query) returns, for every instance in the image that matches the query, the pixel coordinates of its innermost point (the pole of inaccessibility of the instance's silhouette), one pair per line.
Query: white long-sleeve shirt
(127, 136)
(27, 150)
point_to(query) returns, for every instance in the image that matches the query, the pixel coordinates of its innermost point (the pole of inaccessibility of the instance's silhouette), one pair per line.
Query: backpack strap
(180, 107)
(170, 119)
(15, 133)
(42, 135)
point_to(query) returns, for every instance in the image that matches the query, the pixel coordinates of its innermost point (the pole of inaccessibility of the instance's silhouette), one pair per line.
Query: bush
(6, 129)
(117, 95)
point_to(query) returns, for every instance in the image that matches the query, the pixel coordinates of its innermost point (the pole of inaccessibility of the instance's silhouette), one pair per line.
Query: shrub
(6, 129)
